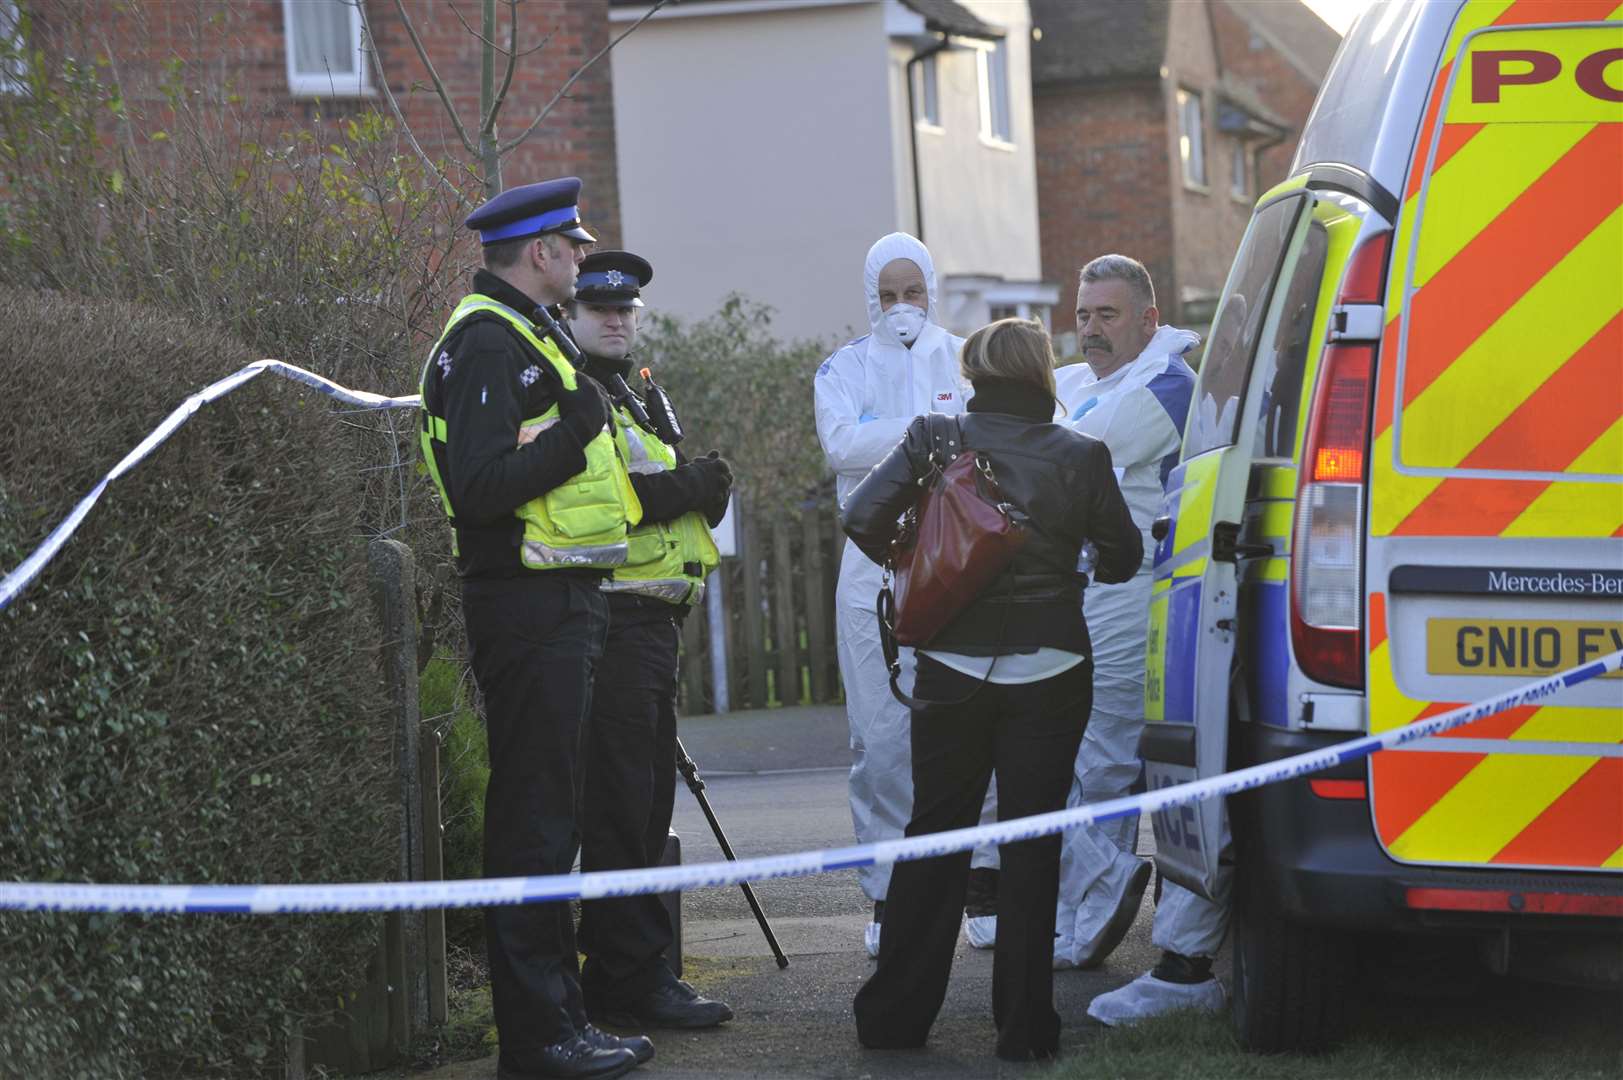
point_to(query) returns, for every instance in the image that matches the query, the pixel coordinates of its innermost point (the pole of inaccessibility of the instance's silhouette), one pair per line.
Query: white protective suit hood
(897, 245)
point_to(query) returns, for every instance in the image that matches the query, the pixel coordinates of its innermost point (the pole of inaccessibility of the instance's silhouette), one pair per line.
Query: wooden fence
(778, 604)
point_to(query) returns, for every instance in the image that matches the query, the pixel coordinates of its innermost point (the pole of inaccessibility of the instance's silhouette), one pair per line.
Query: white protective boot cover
(1147, 996)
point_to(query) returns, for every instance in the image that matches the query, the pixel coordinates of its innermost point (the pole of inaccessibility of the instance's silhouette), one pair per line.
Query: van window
(1356, 90)
(1223, 371)
(1283, 362)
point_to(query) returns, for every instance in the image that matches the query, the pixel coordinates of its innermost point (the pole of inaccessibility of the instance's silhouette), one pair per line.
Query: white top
(1012, 669)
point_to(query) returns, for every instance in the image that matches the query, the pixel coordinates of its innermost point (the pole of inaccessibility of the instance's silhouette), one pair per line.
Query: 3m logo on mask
(944, 397)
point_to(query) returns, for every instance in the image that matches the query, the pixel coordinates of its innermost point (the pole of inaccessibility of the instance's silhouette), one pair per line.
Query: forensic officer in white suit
(866, 394)
(1133, 393)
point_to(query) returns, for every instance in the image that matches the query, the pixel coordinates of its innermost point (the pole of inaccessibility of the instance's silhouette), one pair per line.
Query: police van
(1401, 490)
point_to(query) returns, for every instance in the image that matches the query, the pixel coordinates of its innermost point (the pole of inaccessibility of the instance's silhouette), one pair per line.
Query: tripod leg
(690, 773)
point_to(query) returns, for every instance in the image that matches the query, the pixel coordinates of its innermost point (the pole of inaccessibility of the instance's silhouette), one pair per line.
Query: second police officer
(630, 775)
(530, 469)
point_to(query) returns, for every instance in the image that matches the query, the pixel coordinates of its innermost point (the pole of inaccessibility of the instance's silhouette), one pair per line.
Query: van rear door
(1495, 549)
(1195, 595)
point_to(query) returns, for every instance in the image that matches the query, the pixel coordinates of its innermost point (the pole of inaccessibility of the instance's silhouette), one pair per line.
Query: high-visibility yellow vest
(668, 560)
(582, 522)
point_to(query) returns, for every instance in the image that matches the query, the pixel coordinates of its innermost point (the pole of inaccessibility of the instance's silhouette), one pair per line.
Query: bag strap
(885, 608)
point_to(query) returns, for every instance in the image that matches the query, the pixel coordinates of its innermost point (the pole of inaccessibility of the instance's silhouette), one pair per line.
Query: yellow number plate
(1517, 646)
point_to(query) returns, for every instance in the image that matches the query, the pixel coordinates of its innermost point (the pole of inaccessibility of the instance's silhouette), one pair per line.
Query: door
(1194, 598)
(1496, 484)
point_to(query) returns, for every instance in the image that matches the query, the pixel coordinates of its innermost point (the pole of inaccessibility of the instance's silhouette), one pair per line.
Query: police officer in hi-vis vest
(531, 469)
(630, 773)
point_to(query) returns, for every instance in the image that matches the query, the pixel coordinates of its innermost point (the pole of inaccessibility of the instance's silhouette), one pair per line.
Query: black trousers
(534, 643)
(630, 788)
(1029, 735)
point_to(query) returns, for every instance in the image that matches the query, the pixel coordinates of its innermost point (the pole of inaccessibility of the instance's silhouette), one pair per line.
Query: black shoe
(1183, 970)
(981, 898)
(640, 1045)
(673, 1005)
(574, 1058)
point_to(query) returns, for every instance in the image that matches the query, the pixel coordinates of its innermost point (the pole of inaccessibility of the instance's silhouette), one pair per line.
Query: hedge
(188, 694)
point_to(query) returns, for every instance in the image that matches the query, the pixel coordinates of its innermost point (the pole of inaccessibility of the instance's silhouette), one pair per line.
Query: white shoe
(981, 930)
(1147, 996)
(870, 938)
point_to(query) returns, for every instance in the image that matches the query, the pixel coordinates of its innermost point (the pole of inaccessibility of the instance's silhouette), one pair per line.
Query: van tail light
(1327, 548)
(1339, 789)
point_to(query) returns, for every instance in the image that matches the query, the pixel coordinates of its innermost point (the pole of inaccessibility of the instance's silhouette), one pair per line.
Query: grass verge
(1509, 1031)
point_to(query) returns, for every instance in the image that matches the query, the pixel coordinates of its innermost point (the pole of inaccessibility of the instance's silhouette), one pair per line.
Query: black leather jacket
(1062, 481)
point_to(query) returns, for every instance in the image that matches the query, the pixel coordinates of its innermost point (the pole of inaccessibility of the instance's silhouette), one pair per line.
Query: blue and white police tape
(12, 585)
(273, 899)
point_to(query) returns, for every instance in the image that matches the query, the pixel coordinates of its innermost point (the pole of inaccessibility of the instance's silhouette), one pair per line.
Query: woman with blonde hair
(1004, 687)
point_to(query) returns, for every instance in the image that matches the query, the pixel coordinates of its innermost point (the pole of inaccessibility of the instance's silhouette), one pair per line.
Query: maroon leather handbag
(956, 540)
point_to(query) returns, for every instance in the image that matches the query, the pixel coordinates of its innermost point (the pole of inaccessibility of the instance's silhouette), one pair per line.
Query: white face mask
(905, 322)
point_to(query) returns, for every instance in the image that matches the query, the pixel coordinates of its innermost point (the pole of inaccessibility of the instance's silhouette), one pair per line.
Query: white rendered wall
(755, 157)
(980, 201)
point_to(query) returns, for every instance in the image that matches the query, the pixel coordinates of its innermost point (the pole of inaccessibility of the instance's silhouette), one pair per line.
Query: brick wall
(1101, 182)
(238, 47)
(1289, 92)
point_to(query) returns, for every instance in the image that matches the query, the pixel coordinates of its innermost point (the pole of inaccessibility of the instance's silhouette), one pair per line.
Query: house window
(1191, 138)
(1003, 311)
(324, 57)
(926, 96)
(13, 50)
(996, 125)
(1240, 172)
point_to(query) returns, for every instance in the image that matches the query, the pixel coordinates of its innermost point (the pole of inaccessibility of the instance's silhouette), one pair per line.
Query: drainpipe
(913, 130)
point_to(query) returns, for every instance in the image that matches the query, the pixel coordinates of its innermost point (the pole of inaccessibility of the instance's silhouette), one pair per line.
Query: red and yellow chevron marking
(1517, 289)
(1515, 809)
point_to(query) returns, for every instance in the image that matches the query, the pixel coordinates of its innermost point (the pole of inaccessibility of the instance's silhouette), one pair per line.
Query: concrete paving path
(777, 781)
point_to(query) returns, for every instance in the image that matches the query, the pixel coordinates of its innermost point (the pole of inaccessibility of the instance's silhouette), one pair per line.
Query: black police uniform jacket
(486, 388)
(1062, 481)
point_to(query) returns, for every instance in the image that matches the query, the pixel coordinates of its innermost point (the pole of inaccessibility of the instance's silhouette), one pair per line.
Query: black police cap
(531, 210)
(613, 279)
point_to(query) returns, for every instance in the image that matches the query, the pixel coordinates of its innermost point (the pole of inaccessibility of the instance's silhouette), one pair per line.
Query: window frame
(989, 136)
(13, 70)
(1240, 180)
(927, 95)
(327, 84)
(1192, 150)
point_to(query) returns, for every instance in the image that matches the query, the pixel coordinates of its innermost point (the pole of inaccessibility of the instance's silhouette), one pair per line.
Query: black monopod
(690, 773)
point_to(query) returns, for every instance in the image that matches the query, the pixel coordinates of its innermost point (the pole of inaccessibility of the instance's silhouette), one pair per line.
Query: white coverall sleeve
(1135, 427)
(851, 445)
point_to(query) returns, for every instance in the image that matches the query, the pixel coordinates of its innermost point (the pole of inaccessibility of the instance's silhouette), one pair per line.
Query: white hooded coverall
(1139, 411)
(867, 393)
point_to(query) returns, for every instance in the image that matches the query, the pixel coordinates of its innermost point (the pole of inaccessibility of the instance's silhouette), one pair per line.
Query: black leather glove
(702, 485)
(583, 410)
(718, 489)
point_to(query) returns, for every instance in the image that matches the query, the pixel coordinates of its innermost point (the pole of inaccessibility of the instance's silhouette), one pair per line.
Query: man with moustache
(1133, 393)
